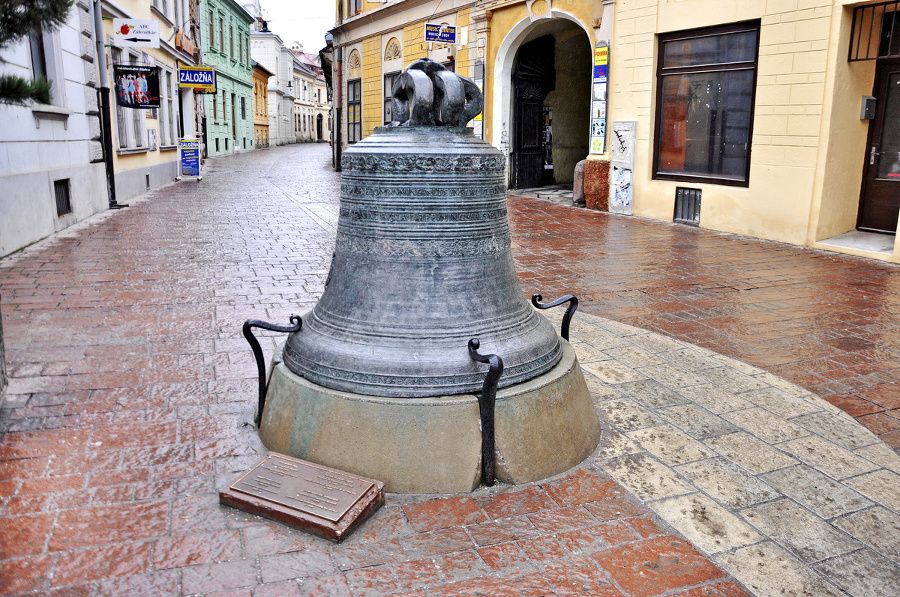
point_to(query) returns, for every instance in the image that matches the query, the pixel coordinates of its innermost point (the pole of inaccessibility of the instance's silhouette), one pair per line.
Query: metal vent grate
(61, 190)
(687, 206)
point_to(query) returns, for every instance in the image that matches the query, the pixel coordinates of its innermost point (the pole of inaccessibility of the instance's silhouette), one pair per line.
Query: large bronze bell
(422, 261)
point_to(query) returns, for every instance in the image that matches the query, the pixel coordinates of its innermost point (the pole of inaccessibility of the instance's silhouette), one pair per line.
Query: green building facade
(228, 113)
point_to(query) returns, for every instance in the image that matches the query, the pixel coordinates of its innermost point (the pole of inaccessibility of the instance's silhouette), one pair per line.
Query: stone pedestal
(543, 427)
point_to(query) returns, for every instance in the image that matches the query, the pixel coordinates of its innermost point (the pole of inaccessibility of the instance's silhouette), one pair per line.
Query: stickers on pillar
(600, 74)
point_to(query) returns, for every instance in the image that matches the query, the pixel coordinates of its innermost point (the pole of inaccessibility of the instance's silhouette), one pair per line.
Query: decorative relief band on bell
(444, 247)
(473, 380)
(365, 214)
(353, 189)
(415, 164)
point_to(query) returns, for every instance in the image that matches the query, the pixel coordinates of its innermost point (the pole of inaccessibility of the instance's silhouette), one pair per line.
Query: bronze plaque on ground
(312, 497)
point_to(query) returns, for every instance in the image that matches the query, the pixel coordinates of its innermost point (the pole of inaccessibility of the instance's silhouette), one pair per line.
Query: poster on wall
(598, 100)
(621, 188)
(137, 86)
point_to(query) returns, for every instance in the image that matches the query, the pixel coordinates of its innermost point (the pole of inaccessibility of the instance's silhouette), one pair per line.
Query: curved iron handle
(257, 351)
(486, 408)
(567, 318)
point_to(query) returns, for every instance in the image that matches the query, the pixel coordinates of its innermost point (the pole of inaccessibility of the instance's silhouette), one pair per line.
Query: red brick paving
(132, 392)
(827, 322)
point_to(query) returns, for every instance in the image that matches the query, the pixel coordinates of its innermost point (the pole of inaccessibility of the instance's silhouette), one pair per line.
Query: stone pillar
(596, 184)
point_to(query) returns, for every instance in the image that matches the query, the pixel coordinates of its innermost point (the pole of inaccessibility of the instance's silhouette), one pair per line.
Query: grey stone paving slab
(690, 359)
(646, 477)
(728, 483)
(612, 371)
(750, 452)
(696, 421)
(815, 490)
(625, 415)
(708, 525)
(794, 527)
(864, 573)
(654, 342)
(881, 486)
(828, 457)
(882, 454)
(588, 354)
(714, 398)
(839, 428)
(780, 402)
(616, 444)
(732, 379)
(634, 356)
(669, 444)
(767, 426)
(672, 376)
(767, 570)
(877, 527)
(651, 394)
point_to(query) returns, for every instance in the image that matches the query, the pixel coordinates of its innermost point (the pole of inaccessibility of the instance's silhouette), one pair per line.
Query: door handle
(872, 155)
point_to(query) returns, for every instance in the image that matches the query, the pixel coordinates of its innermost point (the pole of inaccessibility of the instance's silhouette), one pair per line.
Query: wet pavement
(132, 394)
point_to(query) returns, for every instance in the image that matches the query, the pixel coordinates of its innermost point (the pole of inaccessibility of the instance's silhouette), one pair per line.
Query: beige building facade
(775, 119)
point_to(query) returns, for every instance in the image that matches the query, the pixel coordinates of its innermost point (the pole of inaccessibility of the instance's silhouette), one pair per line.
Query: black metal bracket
(567, 318)
(486, 402)
(257, 351)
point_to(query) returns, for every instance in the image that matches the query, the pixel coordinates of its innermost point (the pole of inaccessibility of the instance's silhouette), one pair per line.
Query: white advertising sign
(136, 33)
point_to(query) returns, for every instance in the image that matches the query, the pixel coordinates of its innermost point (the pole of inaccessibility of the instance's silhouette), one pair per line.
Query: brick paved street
(827, 322)
(132, 394)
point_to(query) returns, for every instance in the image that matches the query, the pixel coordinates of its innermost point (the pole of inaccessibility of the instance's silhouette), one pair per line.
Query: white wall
(40, 144)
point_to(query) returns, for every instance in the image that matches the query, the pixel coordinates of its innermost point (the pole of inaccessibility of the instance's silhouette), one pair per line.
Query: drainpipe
(338, 102)
(105, 120)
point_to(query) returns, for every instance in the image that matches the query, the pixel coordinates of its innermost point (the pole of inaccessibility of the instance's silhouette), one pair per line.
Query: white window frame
(135, 133)
(168, 110)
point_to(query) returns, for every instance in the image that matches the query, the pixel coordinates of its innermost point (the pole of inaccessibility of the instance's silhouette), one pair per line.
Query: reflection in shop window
(706, 87)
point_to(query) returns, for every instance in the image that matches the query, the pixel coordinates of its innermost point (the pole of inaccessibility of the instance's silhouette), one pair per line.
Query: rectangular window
(221, 35)
(241, 51)
(355, 7)
(38, 56)
(354, 111)
(243, 108)
(388, 87)
(706, 86)
(215, 106)
(231, 41)
(212, 33)
(131, 124)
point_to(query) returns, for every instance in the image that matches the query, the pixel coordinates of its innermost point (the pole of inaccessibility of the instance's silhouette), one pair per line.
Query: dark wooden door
(880, 201)
(533, 78)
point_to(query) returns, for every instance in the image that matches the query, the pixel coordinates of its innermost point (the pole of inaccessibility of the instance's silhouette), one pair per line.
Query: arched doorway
(319, 133)
(542, 100)
(534, 76)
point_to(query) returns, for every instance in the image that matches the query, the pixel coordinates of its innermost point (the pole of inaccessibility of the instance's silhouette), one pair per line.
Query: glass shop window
(706, 86)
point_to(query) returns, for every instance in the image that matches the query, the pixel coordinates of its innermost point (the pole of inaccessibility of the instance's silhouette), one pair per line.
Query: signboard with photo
(137, 86)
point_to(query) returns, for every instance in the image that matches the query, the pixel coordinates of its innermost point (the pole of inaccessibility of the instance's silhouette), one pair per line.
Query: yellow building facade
(770, 118)
(145, 142)
(261, 105)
